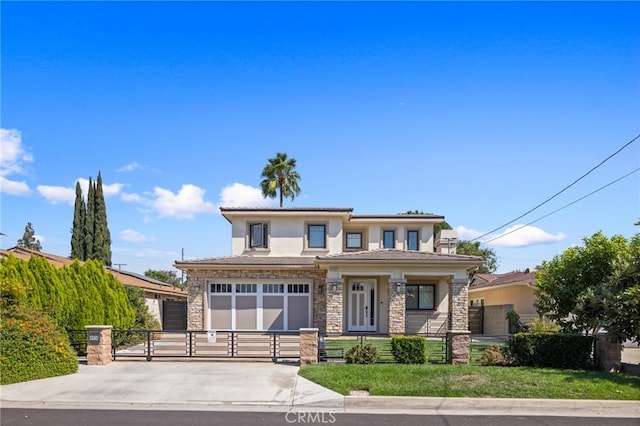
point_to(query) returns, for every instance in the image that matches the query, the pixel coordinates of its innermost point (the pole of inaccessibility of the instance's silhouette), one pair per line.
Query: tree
(90, 236)
(168, 277)
(473, 249)
(101, 234)
(280, 177)
(578, 287)
(78, 230)
(29, 239)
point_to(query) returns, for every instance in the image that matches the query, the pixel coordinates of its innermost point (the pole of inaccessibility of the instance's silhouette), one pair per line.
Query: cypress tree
(78, 230)
(101, 235)
(89, 222)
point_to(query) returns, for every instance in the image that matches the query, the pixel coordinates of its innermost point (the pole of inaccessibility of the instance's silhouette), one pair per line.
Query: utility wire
(561, 191)
(563, 207)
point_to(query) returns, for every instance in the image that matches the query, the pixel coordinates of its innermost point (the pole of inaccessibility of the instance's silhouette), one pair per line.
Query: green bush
(543, 326)
(362, 354)
(32, 346)
(553, 350)
(409, 349)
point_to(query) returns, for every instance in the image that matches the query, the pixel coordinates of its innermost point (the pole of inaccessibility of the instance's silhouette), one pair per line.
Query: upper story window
(353, 240)
(413, 239)
(316, 236)
(258, 235)
(388, 238)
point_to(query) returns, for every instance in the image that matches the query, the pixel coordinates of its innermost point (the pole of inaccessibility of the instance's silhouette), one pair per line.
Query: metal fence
(151, 344)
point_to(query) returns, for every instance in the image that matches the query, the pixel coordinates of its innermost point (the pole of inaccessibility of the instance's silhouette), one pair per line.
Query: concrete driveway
(168, 383)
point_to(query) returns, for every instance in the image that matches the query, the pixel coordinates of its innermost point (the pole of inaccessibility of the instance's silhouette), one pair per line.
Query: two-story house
(329, 268)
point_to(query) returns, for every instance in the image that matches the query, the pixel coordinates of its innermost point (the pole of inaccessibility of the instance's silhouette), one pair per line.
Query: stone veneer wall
(397, 306)
(459, 304)
(198, 280)
(333, 303)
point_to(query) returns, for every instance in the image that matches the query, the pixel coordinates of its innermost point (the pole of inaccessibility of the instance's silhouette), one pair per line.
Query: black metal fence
(208, 344)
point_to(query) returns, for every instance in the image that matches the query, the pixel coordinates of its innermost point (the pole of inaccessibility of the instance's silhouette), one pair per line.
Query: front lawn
(473, 381)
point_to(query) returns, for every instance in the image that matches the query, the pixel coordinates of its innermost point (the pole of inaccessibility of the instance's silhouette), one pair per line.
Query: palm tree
(280, 175)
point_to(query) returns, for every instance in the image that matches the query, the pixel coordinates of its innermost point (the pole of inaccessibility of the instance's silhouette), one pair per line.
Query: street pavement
(259, 387)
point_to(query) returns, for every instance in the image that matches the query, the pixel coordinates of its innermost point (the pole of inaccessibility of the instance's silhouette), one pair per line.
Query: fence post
(98, 344)
(308, 346)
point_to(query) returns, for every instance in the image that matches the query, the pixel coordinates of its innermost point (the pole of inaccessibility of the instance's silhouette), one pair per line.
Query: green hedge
(32, 346)
(409, 349)
(553, 350)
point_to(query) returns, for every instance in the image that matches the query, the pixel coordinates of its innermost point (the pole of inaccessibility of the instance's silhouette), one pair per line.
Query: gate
(207, 344)
(476, 319)
(174, 315)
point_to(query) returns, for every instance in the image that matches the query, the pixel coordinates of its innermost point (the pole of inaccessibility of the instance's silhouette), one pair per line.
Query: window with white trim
(246, 288)
(273, 288)
(298, 288)
(220, 288)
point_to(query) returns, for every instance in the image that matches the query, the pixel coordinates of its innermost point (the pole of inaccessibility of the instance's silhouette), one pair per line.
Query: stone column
(608, 354)
(397, 305)
(98, 344)
(195, 304)
(458, 334)
(334, 306)
(308, 346)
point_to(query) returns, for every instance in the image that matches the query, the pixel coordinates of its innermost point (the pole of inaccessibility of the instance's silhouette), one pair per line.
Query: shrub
(543, 326)
(554, 350)
(32, 346)
(495, 355)
(409, 349)
(362, 354)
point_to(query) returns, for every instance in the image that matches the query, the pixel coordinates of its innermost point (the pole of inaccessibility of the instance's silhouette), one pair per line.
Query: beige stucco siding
(520, 296)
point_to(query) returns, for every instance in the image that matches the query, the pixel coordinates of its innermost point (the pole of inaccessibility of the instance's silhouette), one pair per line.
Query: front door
(362, 305)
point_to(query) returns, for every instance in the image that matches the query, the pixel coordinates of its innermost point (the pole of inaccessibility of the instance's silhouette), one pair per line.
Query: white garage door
(249, 306)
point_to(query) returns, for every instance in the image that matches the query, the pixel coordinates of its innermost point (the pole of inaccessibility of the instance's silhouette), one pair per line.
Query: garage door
(272, 307)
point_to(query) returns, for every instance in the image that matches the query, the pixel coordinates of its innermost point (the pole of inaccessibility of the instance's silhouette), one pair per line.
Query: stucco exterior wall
(521, 297)
(155, 307)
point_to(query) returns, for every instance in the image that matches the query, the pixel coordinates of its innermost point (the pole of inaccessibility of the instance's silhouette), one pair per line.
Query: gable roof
(481, 281)
(127, 278)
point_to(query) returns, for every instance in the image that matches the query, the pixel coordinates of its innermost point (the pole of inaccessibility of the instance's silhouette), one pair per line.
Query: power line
(561, 191)
(563, 207)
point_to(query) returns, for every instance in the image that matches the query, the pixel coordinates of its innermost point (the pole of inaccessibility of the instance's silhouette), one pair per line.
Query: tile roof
(398, 255)
(125, 277)
(286, 209)
(493, 280)
(396, 216)
(276, 261)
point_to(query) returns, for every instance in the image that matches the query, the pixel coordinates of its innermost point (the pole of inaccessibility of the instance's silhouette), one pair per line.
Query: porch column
(458, 334)
(334, 305)
(397, 305)
(196, 303)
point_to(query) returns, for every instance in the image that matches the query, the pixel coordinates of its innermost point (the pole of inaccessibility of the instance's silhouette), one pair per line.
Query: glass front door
(362, 305)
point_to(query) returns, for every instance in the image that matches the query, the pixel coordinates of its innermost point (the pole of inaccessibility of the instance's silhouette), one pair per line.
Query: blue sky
(476, 111)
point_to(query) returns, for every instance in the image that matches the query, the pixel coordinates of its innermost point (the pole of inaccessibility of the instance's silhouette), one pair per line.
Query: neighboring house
(501, 293)
(166, 303)
(328, 268)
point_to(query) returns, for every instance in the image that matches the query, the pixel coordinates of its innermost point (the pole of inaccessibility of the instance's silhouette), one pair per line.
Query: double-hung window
(316, 236)
(258, 235)
(354, 240)
(420, 297)
(388, 239)
(413, 238)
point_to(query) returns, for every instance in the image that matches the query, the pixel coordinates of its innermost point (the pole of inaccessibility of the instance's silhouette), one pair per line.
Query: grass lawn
(473, 381)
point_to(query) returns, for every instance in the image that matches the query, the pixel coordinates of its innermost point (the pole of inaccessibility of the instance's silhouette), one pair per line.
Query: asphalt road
(59, 417)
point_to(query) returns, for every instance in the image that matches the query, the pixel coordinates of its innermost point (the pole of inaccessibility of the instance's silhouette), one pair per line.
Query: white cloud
(516, 236)
(57, 194)
(13, 187)
(13, 159)
(134, 236)
(39, 238)
(132, 198)
(188, 202)
(239, 195)
(466, 233)
(107, 190)
(525, 236)
(130, 167)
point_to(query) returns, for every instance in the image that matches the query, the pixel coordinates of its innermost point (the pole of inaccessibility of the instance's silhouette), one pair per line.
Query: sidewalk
(258, 386)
